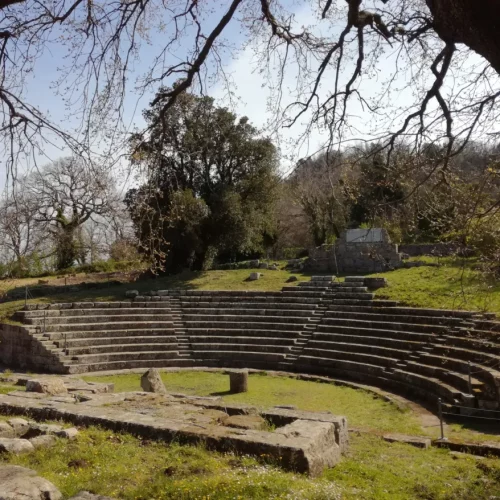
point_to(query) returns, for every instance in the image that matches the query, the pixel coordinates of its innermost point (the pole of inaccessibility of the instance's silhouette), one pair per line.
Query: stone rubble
(18, 483)
(25, 436)
(47, 385)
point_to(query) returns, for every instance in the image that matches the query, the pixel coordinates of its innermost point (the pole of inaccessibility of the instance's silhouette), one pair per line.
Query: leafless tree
(430, 42)
(325, 188)
(67, 195)
(20, 234)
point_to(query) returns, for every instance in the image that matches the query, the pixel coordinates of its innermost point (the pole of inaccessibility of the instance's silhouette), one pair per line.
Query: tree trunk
(66, 248)
(475, 23)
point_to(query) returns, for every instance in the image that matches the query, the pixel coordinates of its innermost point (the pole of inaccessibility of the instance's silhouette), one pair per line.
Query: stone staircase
(107, 336)
(322, 326)
(180, 329)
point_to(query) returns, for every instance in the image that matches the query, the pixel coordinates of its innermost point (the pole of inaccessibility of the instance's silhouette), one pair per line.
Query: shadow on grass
(477, 425)
(221, 393)
(111, 290)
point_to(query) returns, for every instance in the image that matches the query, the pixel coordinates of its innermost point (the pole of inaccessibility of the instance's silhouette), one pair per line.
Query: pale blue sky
(249, 86)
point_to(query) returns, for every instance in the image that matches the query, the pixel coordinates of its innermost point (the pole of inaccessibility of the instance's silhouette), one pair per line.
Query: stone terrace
(300, 441)
(319, 327)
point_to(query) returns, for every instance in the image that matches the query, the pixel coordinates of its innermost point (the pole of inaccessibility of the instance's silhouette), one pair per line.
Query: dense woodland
(210, 190)
(207, 185)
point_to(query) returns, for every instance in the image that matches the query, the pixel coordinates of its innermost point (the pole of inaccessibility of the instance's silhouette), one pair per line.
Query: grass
(122, 466)
(453, 284)
(362, 408)
(193, 280)
(6, 388)
(378, 470)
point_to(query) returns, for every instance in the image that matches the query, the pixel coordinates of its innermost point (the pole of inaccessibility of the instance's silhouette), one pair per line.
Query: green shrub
(295, 253)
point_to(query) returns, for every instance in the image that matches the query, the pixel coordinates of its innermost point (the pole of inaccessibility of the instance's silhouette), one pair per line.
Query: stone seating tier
(319, 327)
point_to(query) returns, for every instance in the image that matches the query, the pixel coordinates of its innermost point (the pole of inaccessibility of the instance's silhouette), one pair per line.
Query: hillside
(448, 284)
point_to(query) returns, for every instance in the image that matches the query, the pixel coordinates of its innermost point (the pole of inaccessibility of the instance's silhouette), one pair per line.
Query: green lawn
(6, 388)
(362, 408)
(454, 284)
(206, 280)
(125, 467)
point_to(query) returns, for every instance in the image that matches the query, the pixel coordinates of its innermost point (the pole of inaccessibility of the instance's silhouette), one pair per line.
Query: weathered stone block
(43, 441)
(254, 422)
(15, 446)
(70, 433)
(6, 431)
(417, 441)
(21, 483)
(50, 386)
(238, 381)
(19, 425)
(321, 450)
(36, 429)
(151, 381)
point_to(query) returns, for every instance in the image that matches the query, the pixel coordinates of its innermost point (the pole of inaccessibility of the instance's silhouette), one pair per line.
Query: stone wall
(352, 257)
(417, 249)
(20, 349)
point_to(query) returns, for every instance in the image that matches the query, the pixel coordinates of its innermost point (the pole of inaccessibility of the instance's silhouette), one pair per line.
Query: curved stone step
(92, 334)
(364, 372)
(376, 315)
(267, 305)
(121, 356)
(370, 332)
(353, 338)
(239, 355)
(118, 325)
(248, 341)
(471, 346)
(251, 325)
(386, 325)
(129, 364)
(338, 355)
(87, 320)
(118, 348)
(348, 347)
(282, 299)
(355, 302)
(93, 341)
(237, 332)
(233, 312)
(216, 316)
(95, 311)
(198, 347)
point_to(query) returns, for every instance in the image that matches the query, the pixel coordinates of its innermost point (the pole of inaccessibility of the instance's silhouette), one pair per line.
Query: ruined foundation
(302, 441)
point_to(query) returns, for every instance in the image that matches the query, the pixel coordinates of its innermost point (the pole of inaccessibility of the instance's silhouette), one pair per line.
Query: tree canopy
(210, 184)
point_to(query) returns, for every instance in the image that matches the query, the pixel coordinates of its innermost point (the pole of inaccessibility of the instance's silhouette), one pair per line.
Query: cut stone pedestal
(238, 381)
